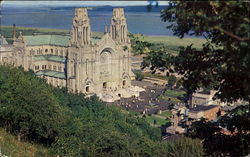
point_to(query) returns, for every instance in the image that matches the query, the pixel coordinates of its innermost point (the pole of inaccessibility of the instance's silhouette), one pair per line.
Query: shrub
(139, 76)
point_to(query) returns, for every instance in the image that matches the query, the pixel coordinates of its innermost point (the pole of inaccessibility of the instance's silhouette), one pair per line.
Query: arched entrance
(104, 85)
(88, 86)
(87, 89)
(124, 83)
(125, 80)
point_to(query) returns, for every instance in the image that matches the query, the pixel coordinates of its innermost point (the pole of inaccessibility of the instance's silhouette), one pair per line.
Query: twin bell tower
(81, 28)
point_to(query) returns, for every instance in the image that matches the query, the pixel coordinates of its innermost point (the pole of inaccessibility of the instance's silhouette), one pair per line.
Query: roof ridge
(46, 35)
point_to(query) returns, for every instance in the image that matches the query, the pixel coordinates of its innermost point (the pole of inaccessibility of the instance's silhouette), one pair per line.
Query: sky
(75, 3)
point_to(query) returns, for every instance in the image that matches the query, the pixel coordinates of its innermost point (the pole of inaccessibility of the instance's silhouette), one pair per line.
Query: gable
(106, 41)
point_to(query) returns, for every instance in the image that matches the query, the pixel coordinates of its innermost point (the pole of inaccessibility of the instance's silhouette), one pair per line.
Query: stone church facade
(78, 61)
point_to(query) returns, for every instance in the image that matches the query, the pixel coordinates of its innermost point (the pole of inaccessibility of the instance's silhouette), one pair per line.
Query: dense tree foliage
(229, 135)
(139, 76)
(223, 62)
(139, 45)
(172, 80)
(72, 125)
(27, 107)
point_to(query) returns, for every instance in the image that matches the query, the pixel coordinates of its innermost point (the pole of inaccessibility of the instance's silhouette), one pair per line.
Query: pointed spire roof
(3, 40)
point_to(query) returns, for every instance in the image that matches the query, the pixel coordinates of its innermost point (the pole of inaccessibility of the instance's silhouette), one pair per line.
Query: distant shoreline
(66, 30)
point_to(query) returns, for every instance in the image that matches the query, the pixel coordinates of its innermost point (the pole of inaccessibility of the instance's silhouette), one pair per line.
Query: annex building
(78, 61)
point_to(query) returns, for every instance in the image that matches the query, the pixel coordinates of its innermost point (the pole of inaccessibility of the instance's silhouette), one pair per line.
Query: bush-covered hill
(9, 145)
(71, 125)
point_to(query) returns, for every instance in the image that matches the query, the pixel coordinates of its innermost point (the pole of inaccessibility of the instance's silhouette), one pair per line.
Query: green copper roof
(50, 58)
(59, 40)
(50, 73)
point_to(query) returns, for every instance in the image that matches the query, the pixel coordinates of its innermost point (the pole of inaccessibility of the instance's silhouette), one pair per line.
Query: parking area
(148, 101)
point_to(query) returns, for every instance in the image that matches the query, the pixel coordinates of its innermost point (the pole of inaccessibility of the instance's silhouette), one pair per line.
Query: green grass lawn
(11, 147)
(148, 74)
(174, 93)
(168, 98)
(165, 114)
(174, 42)
(159, 121)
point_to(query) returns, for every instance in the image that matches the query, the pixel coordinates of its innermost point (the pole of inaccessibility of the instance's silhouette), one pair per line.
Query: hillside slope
(10, 147)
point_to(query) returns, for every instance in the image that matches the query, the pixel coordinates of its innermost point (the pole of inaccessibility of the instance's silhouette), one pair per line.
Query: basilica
(79, 61)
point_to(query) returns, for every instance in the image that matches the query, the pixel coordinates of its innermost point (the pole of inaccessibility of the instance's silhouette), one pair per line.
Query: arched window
(124, 83)
(105, 63)
(46, 50)
(37, 67)
(104, 85)
(87, 89)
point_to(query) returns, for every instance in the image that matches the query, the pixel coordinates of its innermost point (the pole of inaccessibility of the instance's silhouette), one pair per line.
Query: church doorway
(87, 89)
(104, 85)
(123, 83)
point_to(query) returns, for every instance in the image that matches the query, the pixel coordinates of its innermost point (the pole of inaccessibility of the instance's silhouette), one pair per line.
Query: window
(87, 89)
(43, 67)
(36, 67)
(104, 85)
(54, 68)
(49, 67)
(59, 68)
(46, 50)
(32, 52)
(51, 50)
(124, 83)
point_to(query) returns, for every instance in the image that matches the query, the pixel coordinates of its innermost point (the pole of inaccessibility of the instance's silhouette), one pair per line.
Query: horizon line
(86, 3)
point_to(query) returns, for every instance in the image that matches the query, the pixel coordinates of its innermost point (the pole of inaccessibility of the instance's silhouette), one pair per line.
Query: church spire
(118, 29)
(14, 32)
(80, 34)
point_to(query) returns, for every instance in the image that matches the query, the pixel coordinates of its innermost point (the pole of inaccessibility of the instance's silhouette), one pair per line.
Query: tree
(179, 83)
(172, 80)
(139, 76)
(229, 135)
(27, 106)
(139, 45)
(221, 64)
(70, 124)
(223, 61)
(186, 147)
